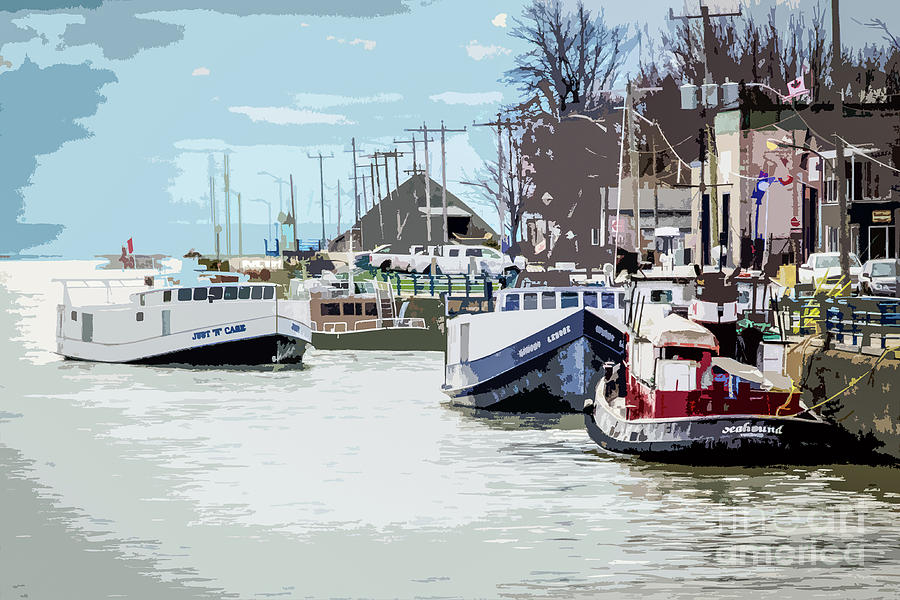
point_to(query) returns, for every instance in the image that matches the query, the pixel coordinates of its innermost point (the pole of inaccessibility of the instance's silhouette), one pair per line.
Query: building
(588, 234)
(402, 217)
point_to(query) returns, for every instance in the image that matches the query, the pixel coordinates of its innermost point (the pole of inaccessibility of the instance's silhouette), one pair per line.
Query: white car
(879, 277)
(449, 260)
(824, 269)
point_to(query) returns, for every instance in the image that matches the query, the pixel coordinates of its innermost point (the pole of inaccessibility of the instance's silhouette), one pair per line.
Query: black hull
(731, 440)
(265, 350)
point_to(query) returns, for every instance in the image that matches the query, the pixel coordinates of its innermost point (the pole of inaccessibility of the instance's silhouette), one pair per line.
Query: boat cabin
(551, 298)
(676, 371)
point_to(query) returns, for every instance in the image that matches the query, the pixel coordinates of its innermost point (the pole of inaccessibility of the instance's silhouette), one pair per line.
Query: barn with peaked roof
(401, 218)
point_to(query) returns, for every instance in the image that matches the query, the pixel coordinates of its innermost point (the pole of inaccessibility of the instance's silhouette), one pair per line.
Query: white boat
(540, 350)
(195, 322)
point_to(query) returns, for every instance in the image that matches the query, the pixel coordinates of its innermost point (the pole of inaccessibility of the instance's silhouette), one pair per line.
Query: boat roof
(675, 330)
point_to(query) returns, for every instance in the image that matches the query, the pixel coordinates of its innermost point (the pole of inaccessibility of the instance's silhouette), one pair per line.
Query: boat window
(661, 296)
(231, 293)
(568, 299)
(184, 294)
(143, 300)
(358, 306)
(139, 316)
(268, 292)
(512, 302)
(256, 293)
(215, 293)
(74, 315)
(330, 309)
(348, 308)
(371, 311)
(621, 300)
(548, 300)
(200, 293)
(608, 300)
(744, 297)
(529, 301)
(473, 252)
(590, 299)
(244, 292)
(454, 252)
(167, 296)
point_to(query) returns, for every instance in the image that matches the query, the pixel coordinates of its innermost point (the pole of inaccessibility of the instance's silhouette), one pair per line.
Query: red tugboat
(675, 399)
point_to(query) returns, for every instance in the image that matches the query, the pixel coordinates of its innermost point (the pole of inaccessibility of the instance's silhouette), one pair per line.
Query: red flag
(130, 246)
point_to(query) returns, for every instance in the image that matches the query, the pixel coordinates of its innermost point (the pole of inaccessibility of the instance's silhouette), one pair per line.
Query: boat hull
(380, 339)
(557, 377)
(732, 439)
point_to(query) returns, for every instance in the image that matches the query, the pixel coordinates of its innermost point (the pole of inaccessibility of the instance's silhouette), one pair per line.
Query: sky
(114, 113)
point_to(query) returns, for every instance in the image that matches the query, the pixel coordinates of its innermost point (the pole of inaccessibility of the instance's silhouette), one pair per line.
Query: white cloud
(479, 51)
(305, 100)
(366, 44)
(283, 115)
(499, 20)
(200, 72)
(470, 98)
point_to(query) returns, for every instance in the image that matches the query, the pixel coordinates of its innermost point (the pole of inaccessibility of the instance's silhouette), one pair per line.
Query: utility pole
(633, 168)
(415, 169)
(844, 229)
(227, 213)
(240, 229)
(355, 188)
(425, 131)
(215, 220)
(502, 203)
(339, 210)
(655, 189)
(322, 188)
(713, 207)
(294, 216)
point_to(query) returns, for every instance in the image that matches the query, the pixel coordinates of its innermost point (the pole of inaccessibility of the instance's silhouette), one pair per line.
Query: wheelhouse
(546, 298)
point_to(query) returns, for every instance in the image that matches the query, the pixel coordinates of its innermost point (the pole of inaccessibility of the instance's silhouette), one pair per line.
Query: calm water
(350, 477)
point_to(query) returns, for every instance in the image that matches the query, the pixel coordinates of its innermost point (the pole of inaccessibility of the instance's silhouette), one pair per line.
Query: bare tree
(576, 52)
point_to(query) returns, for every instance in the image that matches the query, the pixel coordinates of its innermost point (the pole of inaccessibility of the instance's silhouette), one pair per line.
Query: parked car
(824, 269)
(448, 259)
(879, 277)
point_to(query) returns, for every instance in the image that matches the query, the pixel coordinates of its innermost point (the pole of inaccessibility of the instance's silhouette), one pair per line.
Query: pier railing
(416, 284)
(369, 325)
(862, 321)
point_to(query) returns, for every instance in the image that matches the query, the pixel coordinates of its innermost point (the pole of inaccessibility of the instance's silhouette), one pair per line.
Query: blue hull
(553, 370)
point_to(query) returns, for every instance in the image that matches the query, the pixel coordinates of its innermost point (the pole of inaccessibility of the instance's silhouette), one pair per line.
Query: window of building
(268, 292)
(371, 310)
(215, 293)
(595, 236)
(256, 293)
(184, 294)
(200, 293)
(244, 292)
(167, 296)
(330, 309)
(139, 316)
(512, 302)
(590, 299)
(231, 293)
(568, 299)
(548, 300)
(608, 300)
(529, 301)
(473, 251)
(74, 315)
